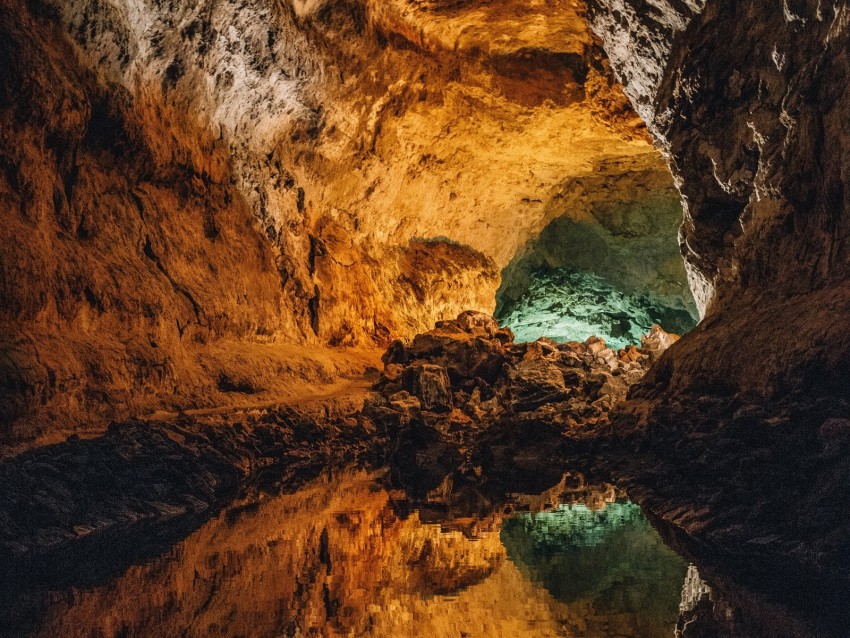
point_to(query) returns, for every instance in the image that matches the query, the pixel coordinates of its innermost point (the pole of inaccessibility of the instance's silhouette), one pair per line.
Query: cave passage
(612, 274)
(568, 305)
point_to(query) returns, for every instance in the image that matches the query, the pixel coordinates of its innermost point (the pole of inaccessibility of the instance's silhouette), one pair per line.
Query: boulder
(404, 402)
(595, 345)
(477, 323)
(430, 384)
(535, 382)
(396, 353)
(656, 341)
(629, 354)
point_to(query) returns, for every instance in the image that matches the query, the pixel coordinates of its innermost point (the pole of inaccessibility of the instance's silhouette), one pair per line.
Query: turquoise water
(609, 562)
(566, 305)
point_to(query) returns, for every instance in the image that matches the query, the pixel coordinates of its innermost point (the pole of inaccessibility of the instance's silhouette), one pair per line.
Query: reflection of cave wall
(611, 560)
(631, 249)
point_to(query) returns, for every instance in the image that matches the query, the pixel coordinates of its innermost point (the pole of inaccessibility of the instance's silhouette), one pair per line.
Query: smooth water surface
(347, 556)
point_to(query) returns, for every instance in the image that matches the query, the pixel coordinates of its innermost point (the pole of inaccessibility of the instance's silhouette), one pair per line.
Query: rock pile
(445, 396)
(469, 368)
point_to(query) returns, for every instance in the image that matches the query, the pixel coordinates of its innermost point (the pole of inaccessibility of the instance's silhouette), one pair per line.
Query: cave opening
(612, 272)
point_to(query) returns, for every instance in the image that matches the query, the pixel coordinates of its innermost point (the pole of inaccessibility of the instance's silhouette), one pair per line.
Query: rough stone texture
(189, 184)
(756, 139)
(627, 237)
(749, 103)
(142, 479)
(464, 396)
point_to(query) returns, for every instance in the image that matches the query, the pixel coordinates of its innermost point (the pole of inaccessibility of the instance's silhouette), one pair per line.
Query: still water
(346, 555)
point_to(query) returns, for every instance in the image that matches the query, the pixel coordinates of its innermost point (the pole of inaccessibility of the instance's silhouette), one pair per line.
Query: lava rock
(430, 384)
(535, 383)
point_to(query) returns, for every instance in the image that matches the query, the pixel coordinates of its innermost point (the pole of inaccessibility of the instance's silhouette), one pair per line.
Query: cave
(612, 272)
(424, 318)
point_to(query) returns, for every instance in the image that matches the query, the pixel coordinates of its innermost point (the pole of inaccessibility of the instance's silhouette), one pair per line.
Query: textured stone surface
(191, 188)
(144, 479)
(513, 409)
(735, 95)
(620, 228)
(748, 102)
(565, 305)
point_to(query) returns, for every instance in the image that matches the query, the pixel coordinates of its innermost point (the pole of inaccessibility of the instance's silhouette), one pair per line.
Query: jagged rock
(656, 342)
(595, 345)
(466, 381)
(535, 382)
(629, 354)
(476, 322)
(430, 384)
(392, 372)
(404, 402)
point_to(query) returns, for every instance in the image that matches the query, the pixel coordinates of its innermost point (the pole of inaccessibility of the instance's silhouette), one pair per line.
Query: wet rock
(143, 478)
(423, 457)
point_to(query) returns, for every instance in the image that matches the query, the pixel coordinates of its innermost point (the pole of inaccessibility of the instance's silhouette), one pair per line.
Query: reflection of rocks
(145, 478)
(609, 559)
(696, 609)
(748, 480)
(333, 559)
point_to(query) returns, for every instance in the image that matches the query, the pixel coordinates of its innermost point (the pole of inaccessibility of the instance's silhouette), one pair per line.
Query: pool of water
(346, 555)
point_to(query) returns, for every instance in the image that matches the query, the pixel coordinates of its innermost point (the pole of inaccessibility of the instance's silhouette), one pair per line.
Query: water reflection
(609, 562)
(346, 555)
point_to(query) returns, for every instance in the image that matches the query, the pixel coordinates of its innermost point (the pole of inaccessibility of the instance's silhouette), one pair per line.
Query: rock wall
(626, 238)
(748, 102)
(193, 193)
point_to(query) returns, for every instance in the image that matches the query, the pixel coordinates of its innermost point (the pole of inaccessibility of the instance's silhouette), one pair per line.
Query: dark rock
(535, 382)
(430, 384)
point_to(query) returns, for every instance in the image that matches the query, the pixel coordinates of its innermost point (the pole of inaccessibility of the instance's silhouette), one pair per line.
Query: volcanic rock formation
(194, 191)
(748, 102)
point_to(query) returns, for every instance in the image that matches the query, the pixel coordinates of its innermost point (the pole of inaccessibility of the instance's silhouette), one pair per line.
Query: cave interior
(424, 318)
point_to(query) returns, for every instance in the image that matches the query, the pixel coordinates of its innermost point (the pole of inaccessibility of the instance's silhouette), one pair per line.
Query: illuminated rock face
(609, 268)
(196, 190)
(749, 103)
(564, 305)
